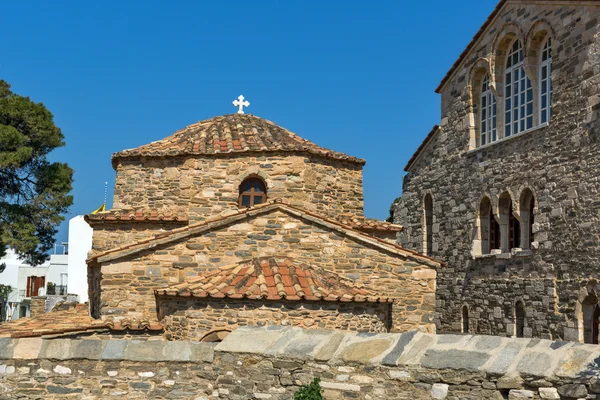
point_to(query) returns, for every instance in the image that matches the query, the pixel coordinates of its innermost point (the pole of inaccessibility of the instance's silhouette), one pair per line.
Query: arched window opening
(519, 319)
(518, 102)
(546, 82)
(514, 230)
(488, 233)
(428, 225)
(253, 191)
(591, 319)
(487, 113)
(465, 319)
(527, 204)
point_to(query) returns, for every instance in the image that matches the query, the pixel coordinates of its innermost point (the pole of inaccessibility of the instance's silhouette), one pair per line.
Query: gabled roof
(207, 226)
(231, 134)
(274, 278)
(422, 146)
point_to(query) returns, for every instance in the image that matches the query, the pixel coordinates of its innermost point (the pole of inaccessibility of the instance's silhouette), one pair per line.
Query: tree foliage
(34, 192)
(311, 391)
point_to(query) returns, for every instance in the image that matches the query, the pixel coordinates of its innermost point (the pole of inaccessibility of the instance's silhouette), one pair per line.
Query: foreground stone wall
(190, 319)
(128, 284)
(271, 363)
(558, 162)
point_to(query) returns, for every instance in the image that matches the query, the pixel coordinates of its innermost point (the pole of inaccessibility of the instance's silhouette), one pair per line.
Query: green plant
(311, 391)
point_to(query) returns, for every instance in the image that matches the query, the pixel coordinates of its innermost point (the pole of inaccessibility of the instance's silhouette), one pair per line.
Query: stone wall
(186, 318)
(558, 163)
(206, 187)
(128, 284)
(271, 363)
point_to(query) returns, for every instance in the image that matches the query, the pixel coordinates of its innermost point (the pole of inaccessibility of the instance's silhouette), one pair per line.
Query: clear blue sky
(354, 76)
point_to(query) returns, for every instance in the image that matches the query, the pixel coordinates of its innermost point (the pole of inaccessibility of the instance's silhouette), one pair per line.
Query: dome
(231, 134)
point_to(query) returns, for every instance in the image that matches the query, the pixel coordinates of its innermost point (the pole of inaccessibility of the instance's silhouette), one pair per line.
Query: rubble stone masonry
(557, 162)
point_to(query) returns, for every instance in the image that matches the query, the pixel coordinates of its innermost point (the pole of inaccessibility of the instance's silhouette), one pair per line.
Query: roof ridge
(183, 232)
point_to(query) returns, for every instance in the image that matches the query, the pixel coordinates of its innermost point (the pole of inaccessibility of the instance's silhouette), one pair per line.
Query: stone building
(505, 189)
(236, 221)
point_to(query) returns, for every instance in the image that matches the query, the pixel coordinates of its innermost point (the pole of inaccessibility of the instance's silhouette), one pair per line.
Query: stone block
(27, 349)
(87, 349)
(460, 359)
(248, 340)
(549, 393)
(573, 391)
(114, 350)
(516, 394)
(439, 391)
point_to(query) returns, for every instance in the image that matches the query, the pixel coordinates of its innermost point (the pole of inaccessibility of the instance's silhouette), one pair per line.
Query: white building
(65, 272)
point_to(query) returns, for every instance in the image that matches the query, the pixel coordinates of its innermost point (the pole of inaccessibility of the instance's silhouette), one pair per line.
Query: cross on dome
(241, 103)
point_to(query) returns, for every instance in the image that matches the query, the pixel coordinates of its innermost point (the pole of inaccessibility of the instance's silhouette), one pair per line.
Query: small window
(428, 225)
(546, 83)
(253, 191)
(465, 319)
(591, 319)
(494, 234)
(520, 319)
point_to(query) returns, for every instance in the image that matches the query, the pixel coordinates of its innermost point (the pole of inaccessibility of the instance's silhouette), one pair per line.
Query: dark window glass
(253, 191)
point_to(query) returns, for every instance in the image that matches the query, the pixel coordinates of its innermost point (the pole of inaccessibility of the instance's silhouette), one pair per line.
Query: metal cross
(241, 103)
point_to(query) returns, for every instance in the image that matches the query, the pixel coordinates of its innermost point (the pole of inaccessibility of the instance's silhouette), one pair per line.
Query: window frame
(488, 113)
(516, 69)
(252, 192)
(545, 83)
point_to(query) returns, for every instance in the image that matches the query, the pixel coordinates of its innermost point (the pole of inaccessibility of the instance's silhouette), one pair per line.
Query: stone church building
(236, 221)
(506, 189)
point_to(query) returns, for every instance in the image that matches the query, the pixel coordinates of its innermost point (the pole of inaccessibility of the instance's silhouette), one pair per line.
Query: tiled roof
(421, 147)
(68, 322)
(228, 134)
(135, 216)
(369, 225)
(211, 224)
(273, 279)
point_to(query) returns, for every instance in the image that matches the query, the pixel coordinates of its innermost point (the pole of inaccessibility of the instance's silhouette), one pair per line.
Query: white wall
(80, 243)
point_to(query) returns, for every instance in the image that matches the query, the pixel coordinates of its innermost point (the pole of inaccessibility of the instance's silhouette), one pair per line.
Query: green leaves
(34, 193)
(310, 392)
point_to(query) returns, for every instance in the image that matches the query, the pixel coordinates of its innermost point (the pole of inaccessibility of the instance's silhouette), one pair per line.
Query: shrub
(310, 392)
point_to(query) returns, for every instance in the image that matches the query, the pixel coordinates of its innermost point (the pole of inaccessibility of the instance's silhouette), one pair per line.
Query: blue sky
(354, 76)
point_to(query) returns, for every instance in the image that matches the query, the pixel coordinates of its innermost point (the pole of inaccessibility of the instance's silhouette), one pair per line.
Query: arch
(590, 311)
(428, 224)
(465, 319)
(215, 335)
(520, 320)
(518, 92)
(253, 172)
(507, 34)
(480, 80)
(526, 213)
(536, 38)
(487, 230)
(252, 192)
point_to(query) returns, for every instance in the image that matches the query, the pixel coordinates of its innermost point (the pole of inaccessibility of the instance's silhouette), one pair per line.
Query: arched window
(519, 319)
(253, 191)
(487, 113)
(494, 232)
(465, 319)
(591, 319)
(546, 83)
(518, 96)
(527, 204)
(510, 227)
(514, 230)
(488, 233)
(428, 225)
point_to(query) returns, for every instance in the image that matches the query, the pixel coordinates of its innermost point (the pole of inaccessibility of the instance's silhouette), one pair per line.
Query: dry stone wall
(206, 187)
(558, 163)
(271, 363)
(188, 319)
(128, 284)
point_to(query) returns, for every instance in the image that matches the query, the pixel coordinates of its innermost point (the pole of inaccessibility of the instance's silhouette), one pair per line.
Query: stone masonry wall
(207, 187)
(271, 363)
(558, 163)
(128, 285)
(191, 319)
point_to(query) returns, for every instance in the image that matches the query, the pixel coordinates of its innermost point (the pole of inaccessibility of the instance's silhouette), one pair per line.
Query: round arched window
(253, 191)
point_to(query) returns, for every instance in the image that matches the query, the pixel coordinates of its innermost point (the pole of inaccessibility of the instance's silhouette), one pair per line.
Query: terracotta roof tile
(136, 216)
(368, 224)
(69, 321)
(320, 285)
(235, 133)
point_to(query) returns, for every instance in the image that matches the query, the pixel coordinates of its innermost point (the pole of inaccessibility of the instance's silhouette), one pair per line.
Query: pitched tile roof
(69, 321)
(271, 205)
(135, 216)
(273, 279)
(235, 133)
(369, 225)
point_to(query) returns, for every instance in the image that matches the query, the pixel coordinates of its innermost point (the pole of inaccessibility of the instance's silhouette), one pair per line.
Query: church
(505, 188)
(235, 221)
